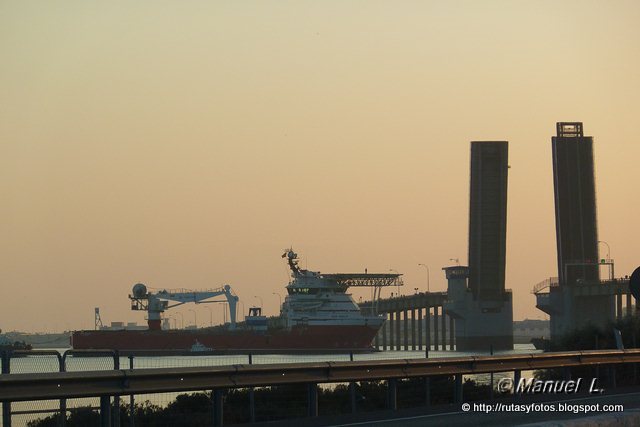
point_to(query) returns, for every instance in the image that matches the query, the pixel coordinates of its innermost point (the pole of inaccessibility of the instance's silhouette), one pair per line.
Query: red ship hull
(306, 338)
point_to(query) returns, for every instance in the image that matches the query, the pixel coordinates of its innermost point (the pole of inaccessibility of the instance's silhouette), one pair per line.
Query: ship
(317, 315)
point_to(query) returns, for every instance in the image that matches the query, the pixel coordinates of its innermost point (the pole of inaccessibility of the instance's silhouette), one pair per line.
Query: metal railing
(551, 282)
(118, 382)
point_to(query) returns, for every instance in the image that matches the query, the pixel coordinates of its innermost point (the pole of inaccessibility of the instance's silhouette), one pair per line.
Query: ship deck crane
(155, 303)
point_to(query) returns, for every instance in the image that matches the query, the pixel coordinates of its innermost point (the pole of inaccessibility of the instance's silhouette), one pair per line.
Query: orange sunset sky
(186, 144)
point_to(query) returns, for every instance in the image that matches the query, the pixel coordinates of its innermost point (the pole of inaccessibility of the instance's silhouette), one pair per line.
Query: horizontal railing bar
(17, 387)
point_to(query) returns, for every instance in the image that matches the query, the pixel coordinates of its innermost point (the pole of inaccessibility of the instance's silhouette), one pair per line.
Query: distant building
(524, 330)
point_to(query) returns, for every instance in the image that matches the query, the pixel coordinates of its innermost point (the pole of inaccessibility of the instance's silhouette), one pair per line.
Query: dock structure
(414, 322)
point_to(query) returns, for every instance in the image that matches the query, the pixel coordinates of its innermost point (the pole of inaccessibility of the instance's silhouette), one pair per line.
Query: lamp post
(428, 274)
(608, 261)
(279, 297)
(397, 283)
(181, 319)
(195, 317)
(608, 249)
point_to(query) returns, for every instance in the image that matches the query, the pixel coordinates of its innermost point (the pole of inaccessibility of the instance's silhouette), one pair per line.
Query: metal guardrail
(120, 382)
(551, 282)
(19, 387)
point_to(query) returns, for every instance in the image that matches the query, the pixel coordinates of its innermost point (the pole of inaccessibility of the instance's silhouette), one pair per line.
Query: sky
(187, 144)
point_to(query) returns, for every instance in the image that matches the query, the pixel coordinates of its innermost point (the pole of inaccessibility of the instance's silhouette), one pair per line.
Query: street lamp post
(181, 319)
(608, 261)
(279, 297)
(428, 274)
(608, 249)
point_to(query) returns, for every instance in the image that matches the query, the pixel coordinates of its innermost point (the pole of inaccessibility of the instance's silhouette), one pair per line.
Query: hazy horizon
(186, 145)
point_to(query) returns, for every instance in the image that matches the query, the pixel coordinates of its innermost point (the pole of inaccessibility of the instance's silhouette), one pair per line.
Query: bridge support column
(619, 306)
(391, 329)
(444, 331)
(436, 344)
(413, 329)
(385, 325)
(451, 332)
(427, 328)
(420, 329)
(398, 335)
(628, 304)
(405, 329)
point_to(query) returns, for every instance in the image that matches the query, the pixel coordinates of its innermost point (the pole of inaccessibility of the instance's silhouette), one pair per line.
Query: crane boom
(155, 303)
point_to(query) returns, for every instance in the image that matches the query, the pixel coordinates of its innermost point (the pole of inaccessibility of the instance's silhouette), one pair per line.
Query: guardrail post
(105, 411)
(252, 405)
(132, 402)
(491, 380)
(216, 397)
(633, 343)
(427, 391)
(392, 394)
(612, 375)
(352, 389)
(312, 399)
(62, 418)
(458, 389)
(116, 398)
(352, 393)
(6, 406)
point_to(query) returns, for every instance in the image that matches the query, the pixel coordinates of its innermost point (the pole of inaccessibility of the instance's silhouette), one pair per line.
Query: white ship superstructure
(316, 299)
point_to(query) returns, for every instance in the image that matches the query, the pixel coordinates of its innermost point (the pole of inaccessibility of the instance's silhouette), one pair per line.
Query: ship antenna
(292, 259)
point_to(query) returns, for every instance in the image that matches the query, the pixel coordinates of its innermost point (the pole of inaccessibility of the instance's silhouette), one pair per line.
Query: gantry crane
(155, 303)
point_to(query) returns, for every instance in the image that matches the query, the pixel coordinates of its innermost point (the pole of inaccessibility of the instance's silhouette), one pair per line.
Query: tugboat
(317, 315)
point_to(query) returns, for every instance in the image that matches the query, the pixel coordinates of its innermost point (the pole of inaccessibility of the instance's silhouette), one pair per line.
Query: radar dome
(139, 290)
